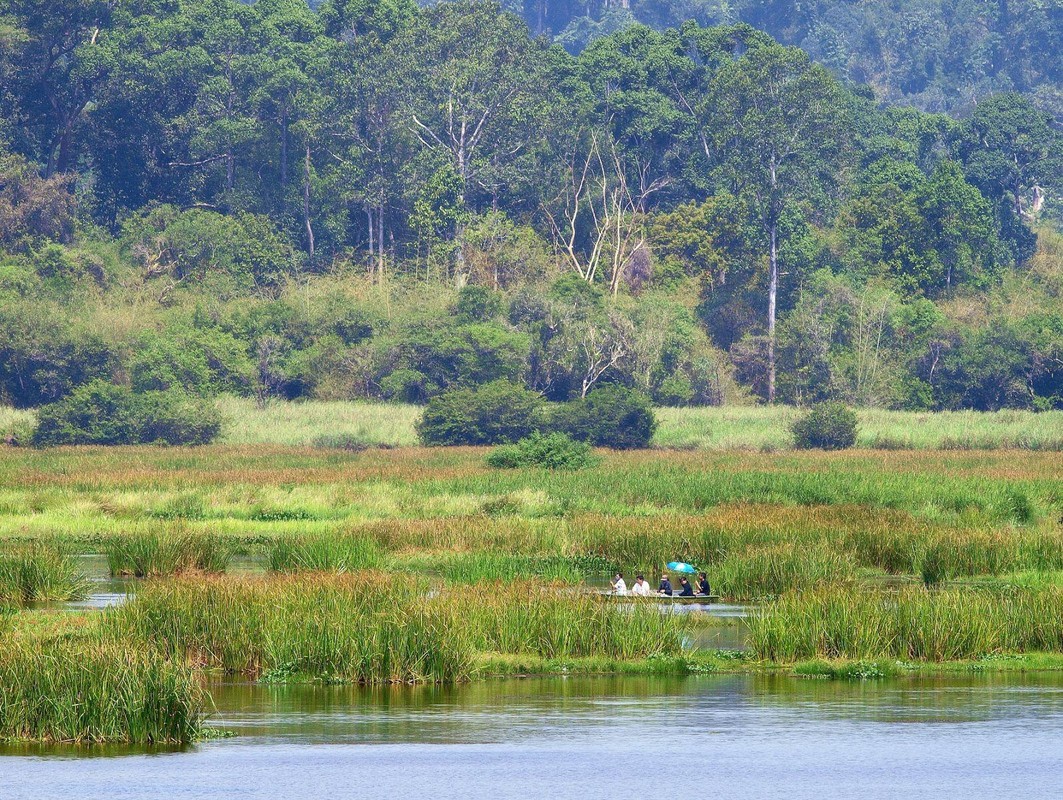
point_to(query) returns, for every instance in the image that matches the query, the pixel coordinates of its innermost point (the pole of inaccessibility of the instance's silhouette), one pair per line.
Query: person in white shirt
(619, 587)
(640, 588)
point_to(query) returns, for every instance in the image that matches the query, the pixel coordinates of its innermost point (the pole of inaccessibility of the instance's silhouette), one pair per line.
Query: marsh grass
(479, 567)
(764, 572)
(167, 552)
(35, 573)
(16, 426)
(911, 623)
(317, 423)
(343, 627)
(336, 552)
(545, 621)
(86, 691)
(934, 515)
(368, 628)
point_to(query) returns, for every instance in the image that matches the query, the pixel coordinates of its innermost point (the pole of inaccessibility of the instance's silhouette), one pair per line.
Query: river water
(703, 736)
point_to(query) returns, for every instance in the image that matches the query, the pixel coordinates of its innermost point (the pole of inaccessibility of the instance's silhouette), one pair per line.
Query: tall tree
(480, 93)
(779, 127)
(1013, 155)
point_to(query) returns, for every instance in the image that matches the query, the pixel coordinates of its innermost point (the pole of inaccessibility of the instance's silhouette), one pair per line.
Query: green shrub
(174, 417)
(199, 361)
(97, 413)
(610, 416)
(828, 426)
(477, 304)
(498, 412)
(553, 451)
(103, 413)
(439, 355)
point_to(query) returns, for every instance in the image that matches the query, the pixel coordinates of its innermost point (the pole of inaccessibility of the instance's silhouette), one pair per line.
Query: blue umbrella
(679, 566)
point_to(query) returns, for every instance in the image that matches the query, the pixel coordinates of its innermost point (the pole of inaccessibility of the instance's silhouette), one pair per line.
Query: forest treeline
(375, 200)
(937, 55)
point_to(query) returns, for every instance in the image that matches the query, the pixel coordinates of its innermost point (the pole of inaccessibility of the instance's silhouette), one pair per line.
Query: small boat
(663, 598)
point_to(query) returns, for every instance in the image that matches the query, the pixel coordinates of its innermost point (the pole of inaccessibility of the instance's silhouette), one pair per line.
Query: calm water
(714, 736)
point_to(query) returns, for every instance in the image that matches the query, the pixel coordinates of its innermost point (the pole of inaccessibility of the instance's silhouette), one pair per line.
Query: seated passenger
(687, 589)
(703, 585)
(619, 587)
(640, 588)
(665, 586)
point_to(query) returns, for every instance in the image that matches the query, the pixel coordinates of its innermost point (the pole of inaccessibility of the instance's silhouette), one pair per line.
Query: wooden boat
(663, 598)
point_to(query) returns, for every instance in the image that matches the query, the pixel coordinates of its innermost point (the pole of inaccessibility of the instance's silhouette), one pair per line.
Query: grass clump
(85, 691)
(145, 554)
(357, 628)
(543, 620)
(909, 624)
(366, 628)
(551, 451)
(339, 553)
(37, 574)
(772, 570)
(350, 442)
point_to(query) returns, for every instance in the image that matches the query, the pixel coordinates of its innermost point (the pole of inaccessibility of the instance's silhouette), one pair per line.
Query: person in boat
(703, 584)
(619, 587)
(640, 588)
(665, 586)
(686, 590)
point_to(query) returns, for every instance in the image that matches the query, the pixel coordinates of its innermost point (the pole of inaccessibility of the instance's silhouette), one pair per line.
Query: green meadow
(315, 422)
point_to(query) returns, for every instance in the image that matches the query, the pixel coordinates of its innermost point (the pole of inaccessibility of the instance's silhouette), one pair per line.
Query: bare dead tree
(597, 198)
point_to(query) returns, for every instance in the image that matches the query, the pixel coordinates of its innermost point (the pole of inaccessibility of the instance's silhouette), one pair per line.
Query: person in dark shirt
(686, 589)
(665, 586)
(703, 584)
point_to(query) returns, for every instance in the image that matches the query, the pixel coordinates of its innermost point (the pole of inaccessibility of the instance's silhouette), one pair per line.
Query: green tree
(780, 139)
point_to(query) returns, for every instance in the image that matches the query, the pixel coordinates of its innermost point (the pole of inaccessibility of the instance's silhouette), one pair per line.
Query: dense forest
(938, 55)
(373, 200)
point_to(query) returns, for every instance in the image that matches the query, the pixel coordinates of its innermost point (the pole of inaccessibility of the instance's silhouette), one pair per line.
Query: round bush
(102, 413)
(828, 426)
(610, 416)
(175, 418)
(552, 451)
(495, 413)
(96, 413)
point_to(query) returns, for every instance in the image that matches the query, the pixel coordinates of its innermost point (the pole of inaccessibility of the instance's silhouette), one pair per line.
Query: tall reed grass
(542, 620)
(37, 573)
(912, 623)
(151, 553)
(87, 691)
(304, 423)
(763, 572)
(356, 627)
(338, 552)
(366, 627)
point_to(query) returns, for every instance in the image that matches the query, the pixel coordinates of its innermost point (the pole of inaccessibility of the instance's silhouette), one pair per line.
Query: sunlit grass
(84, 690)
(714, 428)
(370, 628)
(763, 427)
(38, 573)
(307, 423)
(911, 623)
